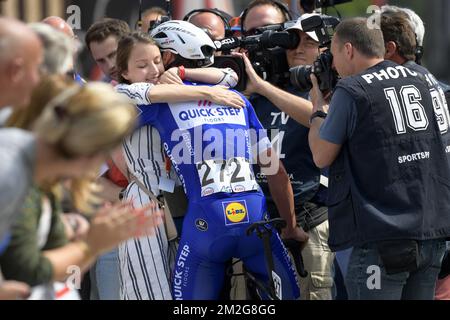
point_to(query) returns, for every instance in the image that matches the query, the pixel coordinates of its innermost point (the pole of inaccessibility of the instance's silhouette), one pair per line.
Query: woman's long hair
(78, 121)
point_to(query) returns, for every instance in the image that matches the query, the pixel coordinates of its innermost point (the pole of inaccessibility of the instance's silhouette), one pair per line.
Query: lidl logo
(235, 212)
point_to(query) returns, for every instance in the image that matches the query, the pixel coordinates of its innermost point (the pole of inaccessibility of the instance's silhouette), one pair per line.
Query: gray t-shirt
(340, 122)
(17, 161)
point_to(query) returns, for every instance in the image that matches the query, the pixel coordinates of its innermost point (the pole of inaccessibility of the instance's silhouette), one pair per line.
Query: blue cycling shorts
(214, 231)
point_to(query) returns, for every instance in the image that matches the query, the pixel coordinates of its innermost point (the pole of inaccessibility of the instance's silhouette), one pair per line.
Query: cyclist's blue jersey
(211, 147)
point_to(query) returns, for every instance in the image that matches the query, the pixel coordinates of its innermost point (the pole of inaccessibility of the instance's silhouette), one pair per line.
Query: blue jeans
(418, 284)
(105, 283)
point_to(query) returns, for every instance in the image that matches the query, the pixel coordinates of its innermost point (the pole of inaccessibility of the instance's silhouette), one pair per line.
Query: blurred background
(433, 12)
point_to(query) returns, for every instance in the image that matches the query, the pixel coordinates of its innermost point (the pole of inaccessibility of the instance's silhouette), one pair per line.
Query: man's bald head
(20, 58)
(60, 25)
(211, 22)
(13, 36)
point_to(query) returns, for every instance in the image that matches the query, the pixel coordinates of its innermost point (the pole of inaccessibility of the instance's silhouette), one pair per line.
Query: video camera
(327, 77)
(266, 52)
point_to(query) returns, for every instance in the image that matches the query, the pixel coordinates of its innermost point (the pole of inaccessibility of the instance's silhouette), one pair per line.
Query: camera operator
(213, 21)
(389, 195)
(402, 42)
(413, 43)
(294, 149)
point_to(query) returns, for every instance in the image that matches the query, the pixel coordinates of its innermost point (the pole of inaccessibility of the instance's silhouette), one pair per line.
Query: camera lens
(300, 77)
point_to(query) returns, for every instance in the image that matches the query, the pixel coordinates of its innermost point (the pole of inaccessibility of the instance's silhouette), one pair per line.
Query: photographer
(292, 127)
(403, 32)
(386, 201)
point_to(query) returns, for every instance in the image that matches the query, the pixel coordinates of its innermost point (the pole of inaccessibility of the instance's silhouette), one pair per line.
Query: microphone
(228, 44)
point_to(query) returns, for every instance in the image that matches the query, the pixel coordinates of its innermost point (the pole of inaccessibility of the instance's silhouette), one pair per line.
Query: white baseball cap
(298, 25)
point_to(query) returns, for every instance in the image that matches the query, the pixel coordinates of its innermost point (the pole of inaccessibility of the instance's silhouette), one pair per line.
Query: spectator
(60, 25)
(102, 39)
(58, 50)
(81, 107)
(20, 57)
(384, 214)
(58, 59)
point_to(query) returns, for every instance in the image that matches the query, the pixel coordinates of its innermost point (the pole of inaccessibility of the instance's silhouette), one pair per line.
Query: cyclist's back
(211, 148)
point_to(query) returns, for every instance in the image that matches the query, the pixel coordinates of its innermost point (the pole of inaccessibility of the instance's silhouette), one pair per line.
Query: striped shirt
(143, 149)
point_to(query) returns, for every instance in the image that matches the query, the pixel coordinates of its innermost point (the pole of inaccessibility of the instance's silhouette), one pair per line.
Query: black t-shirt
(290, 139)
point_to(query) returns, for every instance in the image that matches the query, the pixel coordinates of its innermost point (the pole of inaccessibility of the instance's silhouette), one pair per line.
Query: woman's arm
(111, 226)
(22, 260)
(147, 93)
(72, 254)
(180, 93)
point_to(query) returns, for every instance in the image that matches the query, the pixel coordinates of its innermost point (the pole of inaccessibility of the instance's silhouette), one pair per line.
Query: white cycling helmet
(186, 40)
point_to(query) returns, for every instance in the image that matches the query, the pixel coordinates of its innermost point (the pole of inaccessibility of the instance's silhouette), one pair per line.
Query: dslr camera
(327, 77)
(266, 52)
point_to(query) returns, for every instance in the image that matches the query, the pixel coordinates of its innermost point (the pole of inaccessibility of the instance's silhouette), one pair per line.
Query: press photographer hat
(298, 25)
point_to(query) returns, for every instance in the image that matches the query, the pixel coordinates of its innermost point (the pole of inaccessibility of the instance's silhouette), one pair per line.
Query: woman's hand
(222, 96)
(170, 77)
(120, 222)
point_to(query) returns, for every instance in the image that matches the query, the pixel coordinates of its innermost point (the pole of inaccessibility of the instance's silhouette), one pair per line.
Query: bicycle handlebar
(261, 228)
(294, 247)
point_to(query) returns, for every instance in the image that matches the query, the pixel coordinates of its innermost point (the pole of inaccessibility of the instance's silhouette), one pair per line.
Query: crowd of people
(145, 184)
